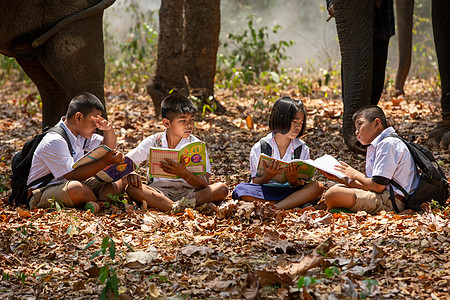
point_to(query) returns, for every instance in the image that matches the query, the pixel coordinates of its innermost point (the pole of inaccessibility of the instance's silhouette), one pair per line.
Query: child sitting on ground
(162, 193)
(387, 158)
(287, 123)
(73, 187)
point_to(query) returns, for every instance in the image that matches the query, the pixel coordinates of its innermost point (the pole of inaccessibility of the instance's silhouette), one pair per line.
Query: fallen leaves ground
(239, 250)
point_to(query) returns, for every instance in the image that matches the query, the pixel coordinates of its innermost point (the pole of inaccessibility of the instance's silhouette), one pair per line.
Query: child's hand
(114, 157)
(272, 169)
(171, 167)
(329, 176)
(347, 170)
(134, 180)
(101, 123)
(291, 174)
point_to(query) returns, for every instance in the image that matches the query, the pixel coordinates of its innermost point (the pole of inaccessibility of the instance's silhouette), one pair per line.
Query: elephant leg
(354, 24)
(405, 10)
(380, 53)
(441, 25)
(69, 63)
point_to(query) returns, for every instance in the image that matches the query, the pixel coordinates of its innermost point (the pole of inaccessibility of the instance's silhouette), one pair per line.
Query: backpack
(21, 165)
(432, 184)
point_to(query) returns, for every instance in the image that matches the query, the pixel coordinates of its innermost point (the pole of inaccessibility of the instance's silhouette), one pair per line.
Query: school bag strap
(43, 181)
(266, 148)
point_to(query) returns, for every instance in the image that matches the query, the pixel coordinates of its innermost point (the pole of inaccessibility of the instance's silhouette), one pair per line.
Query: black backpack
(432, 184)
(21, 165)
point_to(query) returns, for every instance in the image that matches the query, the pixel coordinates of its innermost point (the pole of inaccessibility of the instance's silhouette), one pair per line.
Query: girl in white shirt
(286, 122)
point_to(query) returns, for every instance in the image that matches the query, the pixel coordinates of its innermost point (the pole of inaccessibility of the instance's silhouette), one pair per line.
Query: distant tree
(187, 50)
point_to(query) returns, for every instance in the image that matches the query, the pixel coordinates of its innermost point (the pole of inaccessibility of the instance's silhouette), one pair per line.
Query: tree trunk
(201, 41)
(169, 70)
(187, 48)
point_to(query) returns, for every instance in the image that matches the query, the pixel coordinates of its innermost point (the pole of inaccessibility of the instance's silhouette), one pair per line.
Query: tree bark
(169, 75)
(201, 41)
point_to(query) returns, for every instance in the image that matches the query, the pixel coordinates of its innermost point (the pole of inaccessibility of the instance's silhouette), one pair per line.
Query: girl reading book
(287, 121)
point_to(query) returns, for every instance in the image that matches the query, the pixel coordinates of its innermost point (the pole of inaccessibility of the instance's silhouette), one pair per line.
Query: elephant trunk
(405, 10)
(354, 24)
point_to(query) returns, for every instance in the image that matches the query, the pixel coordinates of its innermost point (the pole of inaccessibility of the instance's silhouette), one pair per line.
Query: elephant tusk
(72, 18)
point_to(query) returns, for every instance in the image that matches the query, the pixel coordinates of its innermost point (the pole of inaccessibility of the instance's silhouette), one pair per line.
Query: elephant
(59, 45)
(405, 9)
(354, 24)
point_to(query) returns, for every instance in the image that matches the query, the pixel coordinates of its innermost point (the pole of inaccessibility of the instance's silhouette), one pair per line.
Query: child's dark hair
(176, 104)
(84, 103)
(283, 113)
(371, 112)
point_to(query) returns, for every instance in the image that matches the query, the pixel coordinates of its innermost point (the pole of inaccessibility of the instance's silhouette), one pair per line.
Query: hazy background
(304, 22)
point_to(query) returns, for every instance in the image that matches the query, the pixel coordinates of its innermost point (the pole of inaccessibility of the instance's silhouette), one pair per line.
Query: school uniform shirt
(389, 158)
(52, 155)
(255, 153)
(142, 152)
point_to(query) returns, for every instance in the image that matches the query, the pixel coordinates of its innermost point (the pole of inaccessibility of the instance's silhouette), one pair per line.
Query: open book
(110, 173)
(92, 156)
(115, 172)
(306, 170)
(193, 154)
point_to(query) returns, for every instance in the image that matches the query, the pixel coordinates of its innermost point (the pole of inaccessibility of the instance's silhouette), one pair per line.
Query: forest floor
(239, 250)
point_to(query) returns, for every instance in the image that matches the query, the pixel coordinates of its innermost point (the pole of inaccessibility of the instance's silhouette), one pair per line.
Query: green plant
(368, 288)
(107, 273)
(161, 278)
(251, 53)
(305, 281)
(210, 104)
(118, 199)
(130, 62)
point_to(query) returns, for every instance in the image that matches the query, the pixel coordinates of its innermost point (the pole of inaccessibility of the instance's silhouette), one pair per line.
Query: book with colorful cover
(193, 154)
(92, 156)
(115, 172)
(306, 170)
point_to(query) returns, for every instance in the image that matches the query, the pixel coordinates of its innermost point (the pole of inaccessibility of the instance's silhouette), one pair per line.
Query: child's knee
(222, 190)
(79, 192)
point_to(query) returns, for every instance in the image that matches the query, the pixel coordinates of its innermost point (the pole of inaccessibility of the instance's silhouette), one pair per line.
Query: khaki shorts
(372, 202)
(59, 192)
(174, 190)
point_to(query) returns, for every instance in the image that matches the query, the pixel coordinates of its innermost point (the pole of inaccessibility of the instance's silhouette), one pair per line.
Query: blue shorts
(265, 192)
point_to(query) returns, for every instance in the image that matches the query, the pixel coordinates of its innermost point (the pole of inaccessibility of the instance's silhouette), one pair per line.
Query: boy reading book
(73, 187)
(187, 189)
(387, 159)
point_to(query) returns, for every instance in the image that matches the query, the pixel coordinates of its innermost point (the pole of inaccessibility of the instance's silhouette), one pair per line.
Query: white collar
(382, 135)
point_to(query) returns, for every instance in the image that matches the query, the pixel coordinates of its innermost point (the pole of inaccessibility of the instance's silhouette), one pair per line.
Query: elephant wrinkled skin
(354, 23)
(59, 44)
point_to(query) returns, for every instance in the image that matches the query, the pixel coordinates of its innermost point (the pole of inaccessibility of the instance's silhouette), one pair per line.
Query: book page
(326, 163)
(158, 155)
(92, 156)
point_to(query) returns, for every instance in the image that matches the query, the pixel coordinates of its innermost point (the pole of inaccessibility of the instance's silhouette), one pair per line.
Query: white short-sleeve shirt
(52, 155)
(142, 152)
(389, 157)
(288, 156)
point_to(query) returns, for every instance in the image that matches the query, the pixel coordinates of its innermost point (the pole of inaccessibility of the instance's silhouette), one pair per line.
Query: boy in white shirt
(73, 187)
(387, 158)
(162, 193)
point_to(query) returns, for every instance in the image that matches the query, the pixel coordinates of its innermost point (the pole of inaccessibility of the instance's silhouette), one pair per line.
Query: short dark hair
(176, 104)
(283, 112)
(84, 103)
(371, 112)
